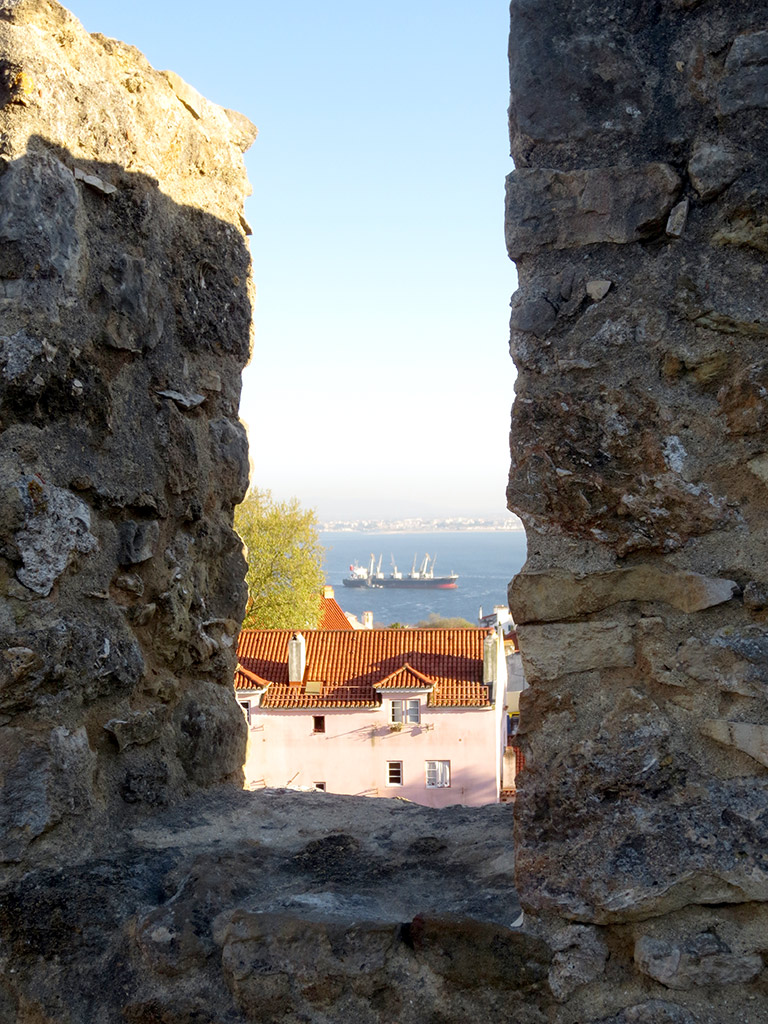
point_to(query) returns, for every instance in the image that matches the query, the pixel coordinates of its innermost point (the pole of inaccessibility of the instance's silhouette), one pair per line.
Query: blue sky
(380, 383)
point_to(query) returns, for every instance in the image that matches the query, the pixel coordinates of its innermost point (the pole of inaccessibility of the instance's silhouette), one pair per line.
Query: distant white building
(365, 623)
(500, 616)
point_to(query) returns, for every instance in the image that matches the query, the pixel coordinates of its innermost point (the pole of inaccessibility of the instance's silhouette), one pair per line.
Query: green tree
(436, 621)
(285, 562)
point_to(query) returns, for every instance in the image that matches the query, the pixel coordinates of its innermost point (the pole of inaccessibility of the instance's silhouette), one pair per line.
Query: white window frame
(405, 711)
(246, 707)
(319, 787)
(438, 774)
(394, 768)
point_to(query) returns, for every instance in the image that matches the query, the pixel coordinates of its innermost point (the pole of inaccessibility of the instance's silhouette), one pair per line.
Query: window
(320, 786)
(245, 706)
(438, 774)
(394, 773)
(318, 723)
(405, 712)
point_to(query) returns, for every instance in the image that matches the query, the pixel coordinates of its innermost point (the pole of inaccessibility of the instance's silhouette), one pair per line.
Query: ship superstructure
(422, 578)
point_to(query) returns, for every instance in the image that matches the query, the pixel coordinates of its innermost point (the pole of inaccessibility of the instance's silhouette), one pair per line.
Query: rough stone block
(703, 959)
(712, 168)
(138, 541)
(548, 597)
(56, 525)
(43, 781)
(597, 290)
(551, 209)
(138, 728)
(677, 219)
(559, 648)
(580, 955)
(745, 736)
(745, 81)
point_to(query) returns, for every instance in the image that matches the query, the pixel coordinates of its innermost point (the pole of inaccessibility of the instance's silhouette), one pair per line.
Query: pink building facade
(417, 714)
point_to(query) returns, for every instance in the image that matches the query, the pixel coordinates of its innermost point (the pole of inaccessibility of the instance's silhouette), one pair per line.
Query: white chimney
(297, 658)
(489, 658)
(367, 620)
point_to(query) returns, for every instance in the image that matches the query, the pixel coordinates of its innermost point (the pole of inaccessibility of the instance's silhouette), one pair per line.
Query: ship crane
(424, 576)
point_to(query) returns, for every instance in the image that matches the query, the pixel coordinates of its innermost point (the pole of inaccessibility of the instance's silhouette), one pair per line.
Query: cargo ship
(422, 578)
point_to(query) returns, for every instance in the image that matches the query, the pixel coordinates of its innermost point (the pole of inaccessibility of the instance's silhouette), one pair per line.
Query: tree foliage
(436, 621)
(285, 562)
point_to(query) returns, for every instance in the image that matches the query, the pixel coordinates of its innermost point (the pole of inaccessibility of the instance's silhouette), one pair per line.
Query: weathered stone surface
(655, 1011)
(138, 541)
(43, 781)
(555, 648)
(56, 525)
(567, 85)
(183, 401)
(138, 728)
(704, 960)
(560, 210)
(547, 597)
(536, 311)
(275, 962)
(677, 219)
(597, 290)
(638, 464)
(745, 82)
(759, 467)
(610, 471)
(712, 168)
(663, 854)
(580, 956)
(720, 660)
(751, 739)
(251, 907)
(124, 324)
(756, 596)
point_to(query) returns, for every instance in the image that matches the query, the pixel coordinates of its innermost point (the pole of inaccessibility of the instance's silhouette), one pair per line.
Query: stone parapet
(637, 215)
(125, 319)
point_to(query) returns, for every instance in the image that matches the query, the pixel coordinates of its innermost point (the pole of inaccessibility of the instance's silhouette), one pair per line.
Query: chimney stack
(297, 658)
(489, 658)
(327, 591)
(367, 620)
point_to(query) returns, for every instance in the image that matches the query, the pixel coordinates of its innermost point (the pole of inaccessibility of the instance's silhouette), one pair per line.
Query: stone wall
(124, 325)
(638, 219)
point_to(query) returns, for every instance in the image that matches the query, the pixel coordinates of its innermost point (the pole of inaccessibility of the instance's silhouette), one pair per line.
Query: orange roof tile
(331, 615)
(405, 678)
(351, 664)
(246, 680)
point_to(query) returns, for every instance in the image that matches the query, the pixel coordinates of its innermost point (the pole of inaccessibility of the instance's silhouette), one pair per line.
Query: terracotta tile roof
(350, 664)
(331, 615)
(405, 678)
(246, 680)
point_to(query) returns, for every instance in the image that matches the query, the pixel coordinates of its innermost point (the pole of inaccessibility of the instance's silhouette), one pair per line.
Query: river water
(485, 562)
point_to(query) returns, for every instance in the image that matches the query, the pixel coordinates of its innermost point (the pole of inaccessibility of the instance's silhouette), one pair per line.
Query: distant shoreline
(424, 529)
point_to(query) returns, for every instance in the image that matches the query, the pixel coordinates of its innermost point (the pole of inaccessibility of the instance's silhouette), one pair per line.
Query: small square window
(394, 773)
(319, 786)
(438, 774)
(405, 712)
(318, 723)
